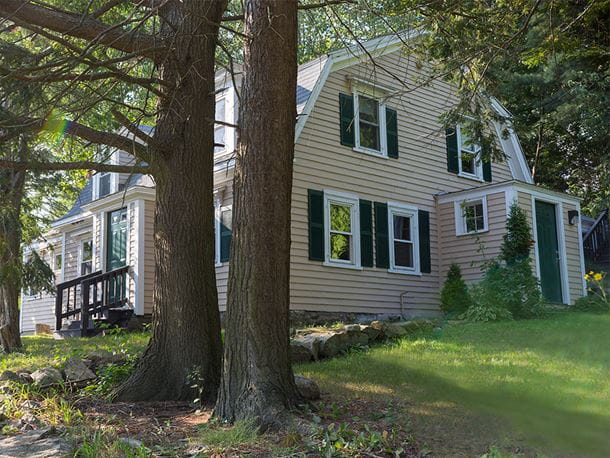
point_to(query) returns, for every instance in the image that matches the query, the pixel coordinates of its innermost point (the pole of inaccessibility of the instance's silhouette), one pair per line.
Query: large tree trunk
(11, 196)
(257, 380)
(186, 321)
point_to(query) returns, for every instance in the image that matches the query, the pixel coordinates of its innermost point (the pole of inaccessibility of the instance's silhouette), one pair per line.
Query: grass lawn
(544, 383)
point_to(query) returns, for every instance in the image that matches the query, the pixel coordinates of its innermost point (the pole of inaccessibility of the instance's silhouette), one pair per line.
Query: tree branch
(310, 6)
(77, 165)
(79, 26)
(131, 127)
(78, 130)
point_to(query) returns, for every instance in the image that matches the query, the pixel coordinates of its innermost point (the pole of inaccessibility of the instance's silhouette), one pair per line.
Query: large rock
(34, 444)
(372, 333)
(355, 336)
(392, 330)
(308, 389)
(310, 342)
(299, 352)
(47, 377)
(332, 343)
(102, 357)
(76, 371)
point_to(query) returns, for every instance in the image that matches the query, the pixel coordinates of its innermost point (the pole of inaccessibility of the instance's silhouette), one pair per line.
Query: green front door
(116, 254)
(548, 252)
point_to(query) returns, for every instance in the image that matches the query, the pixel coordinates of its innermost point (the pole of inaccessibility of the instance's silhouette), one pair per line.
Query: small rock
(379, 325)
(76, 371)
(352, 327)
(5, 388)
(33, 444)
(10, 376)
(43, 329)
(29, 421)
(26, 378)
(299, 353)
(308, 389)
(47, 377)
(130, 442)
(102, 357)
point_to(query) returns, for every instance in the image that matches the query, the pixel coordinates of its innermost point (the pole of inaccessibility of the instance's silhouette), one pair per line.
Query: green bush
(454, 295)
(509, 288)
(506, 291)
(591, 303)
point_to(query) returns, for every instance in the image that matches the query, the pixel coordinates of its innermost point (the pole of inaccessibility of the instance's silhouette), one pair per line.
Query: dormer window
(369, 124)
(105, 183)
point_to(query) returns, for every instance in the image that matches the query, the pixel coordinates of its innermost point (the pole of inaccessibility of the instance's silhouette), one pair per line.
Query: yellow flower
(587, 277)
(598, 277)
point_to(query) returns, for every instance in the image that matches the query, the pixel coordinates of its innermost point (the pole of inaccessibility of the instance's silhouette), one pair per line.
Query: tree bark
(258, 382)
(186, 320)
(12, 185)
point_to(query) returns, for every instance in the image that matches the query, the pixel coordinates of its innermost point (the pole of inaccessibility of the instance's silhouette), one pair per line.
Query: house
(384, 200)
(596, 241)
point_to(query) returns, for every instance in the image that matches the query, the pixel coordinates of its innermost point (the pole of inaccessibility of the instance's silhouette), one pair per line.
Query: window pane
(340, 218)
(220, 110)
(219, 138)
(104, 184)
(473, 214)
(369, 110)
(87, 251)
(403, 254)
(402, 227)
(86, 268)
(369, 136)
(226, 219)
(340, 247)
(468, 163)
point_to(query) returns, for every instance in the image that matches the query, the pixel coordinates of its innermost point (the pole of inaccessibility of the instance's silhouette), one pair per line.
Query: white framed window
(404, 238)
(471, 216)
(341, 229)
(105, 183)
(469, 155)
(58, 261)
(370, 124)
(85, 257)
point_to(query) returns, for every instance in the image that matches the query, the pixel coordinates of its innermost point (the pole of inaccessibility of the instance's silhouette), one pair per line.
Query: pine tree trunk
(186, 321)
(258, 382)
(11, 189)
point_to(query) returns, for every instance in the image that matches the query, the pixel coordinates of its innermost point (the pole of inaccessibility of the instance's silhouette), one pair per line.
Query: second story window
(469, 153)
(369, 124)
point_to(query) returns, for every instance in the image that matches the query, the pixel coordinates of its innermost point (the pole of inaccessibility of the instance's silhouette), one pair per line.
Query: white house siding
(149, 255)
(40, 309)
(472, 250)
(223, 179)
(321, 162)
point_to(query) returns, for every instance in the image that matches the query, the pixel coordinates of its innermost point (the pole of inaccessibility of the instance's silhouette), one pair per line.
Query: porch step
(117, 317)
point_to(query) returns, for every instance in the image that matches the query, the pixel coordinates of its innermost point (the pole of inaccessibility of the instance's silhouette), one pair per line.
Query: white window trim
(353, 201)
(229, 98)
(460, 218)
(478, 176)
(114, 177)
(383, 152)
(81, 242)
(400, 209)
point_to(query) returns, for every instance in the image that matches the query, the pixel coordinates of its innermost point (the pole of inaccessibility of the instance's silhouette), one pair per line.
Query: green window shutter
(423, 218)
(315, 214)
(366, 233)
(382, 249)
(391, 119)
(226, 234)
(487, 170)
(346, 115)
(452, 150)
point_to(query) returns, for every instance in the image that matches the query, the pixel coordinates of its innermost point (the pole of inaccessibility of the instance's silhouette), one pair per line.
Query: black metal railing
(90, 297)
(596, 242)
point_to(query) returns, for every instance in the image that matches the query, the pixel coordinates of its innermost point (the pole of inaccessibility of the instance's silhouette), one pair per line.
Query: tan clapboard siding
(149, 254)
(40, 309)
(321, 162)
(573, 250)
(465, 250)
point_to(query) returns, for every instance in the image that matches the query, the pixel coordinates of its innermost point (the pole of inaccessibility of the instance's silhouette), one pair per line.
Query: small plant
(215, 435)
(109, 377)
(342, 440)
(597, 299)
(517, 242)
(454, 295)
